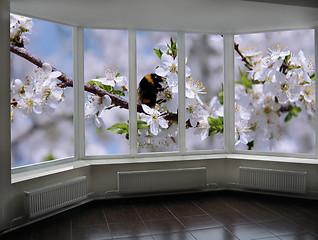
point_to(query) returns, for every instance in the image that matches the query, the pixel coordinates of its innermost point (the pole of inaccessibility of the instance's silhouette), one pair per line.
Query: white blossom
(112, 78)
(194, 88)
(168, 68)
(285, 88)
(277, 53)
(154, 119)
(19, 26)
(40, 92)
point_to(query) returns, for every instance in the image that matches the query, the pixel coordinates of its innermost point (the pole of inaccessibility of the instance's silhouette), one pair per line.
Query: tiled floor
(206, 216)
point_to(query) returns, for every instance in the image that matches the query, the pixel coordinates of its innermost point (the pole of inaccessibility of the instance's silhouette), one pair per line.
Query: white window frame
(229, 101)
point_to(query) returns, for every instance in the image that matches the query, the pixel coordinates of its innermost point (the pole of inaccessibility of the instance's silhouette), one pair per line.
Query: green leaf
(312, 77)
(141, 124)
(119, 128)
(221, 95)
(250, 145)
(246, 83)
(210, 121)
(100, 85)
(173, 48)
(107, 88)
(212, 132)
(216, 125)
(288, 117)
(118, 92)
(287, 59)
(158, 52)
(49, 157)
(293, 112)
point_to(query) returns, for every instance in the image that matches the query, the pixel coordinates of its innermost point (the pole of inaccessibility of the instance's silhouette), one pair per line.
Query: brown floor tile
(240, 203)
(249, 231)
(183, 208)
(280, 227)
(91, 232)
(260, 214)
(57, 227)
(128, 229)
(198, 222)
(89, 214)
(269, 238)
(309, 206)
(299, 236)
(213, 206)
(136, 238)
(164, 226)
(122, 212)
(306, 221)
(213, 233)
(230, 219)
(152, 210)
(174, 236)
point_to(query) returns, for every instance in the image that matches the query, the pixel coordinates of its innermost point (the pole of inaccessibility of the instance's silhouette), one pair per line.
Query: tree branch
(244, 59)
(67, 81)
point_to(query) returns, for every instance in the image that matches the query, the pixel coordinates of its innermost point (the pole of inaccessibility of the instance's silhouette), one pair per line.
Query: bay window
(181, 107)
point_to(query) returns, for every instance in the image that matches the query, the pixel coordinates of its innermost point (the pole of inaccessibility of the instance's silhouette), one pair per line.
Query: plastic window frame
(229, 101)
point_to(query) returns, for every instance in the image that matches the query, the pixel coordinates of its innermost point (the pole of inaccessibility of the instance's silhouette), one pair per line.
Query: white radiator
(50, 198)
(273, 180)
(161, 180)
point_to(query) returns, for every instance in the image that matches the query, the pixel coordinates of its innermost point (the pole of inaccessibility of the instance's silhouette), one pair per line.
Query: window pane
(275, 92)
(41, 108)
(106, 67)
(157, 79)
(204, 92)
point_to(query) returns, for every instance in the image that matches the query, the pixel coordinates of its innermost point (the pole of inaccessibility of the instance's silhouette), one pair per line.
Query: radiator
(53, 197)
(161, 180)
(273, 180)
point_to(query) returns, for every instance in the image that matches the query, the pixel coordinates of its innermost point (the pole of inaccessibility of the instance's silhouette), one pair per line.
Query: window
(204, 92)
(157, 79)
(275, 92)
(106, 67)
(41, 103)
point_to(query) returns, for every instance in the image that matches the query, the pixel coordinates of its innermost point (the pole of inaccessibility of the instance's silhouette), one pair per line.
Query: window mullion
(181, 92)
(229, 105)
(78, 88)
(132, 92)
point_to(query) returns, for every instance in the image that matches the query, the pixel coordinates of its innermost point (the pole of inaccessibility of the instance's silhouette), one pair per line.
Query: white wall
(5, 150)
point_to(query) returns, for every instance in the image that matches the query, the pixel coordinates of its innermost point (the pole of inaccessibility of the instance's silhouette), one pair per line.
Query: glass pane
(41, 105)
(106, 67)
(204, 92)
(275, 92)
(157, 79)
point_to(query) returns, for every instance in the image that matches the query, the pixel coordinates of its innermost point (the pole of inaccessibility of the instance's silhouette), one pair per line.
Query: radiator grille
(161, 180)
(273, 180)
(50, 198)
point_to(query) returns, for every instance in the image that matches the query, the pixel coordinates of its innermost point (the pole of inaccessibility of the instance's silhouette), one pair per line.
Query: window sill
(63, 167)
(45, 171)
(282, 159)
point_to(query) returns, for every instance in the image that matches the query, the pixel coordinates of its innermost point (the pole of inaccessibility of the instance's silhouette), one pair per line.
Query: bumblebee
(149, 87)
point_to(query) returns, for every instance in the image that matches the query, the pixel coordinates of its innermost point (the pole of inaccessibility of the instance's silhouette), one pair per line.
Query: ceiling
(304, 3)
(215, 16)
